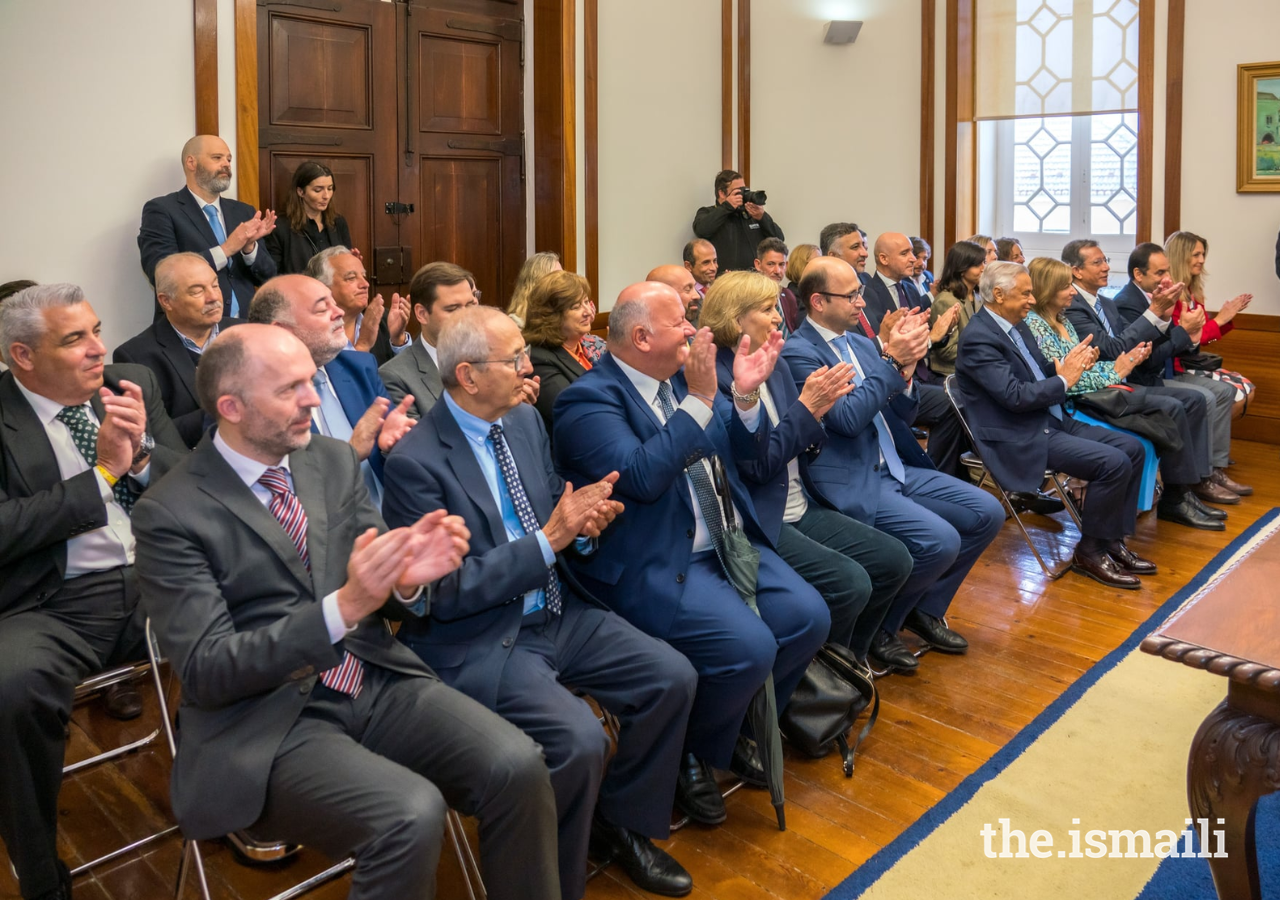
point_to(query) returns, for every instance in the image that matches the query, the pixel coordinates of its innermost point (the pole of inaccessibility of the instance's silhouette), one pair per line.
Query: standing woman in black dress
(309, 223)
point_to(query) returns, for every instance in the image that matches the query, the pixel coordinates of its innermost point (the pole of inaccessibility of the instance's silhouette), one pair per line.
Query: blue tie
(1055, 410)
(1102, 314)
(523, 508)
(888, 452)
(903, 302)
(211, 213)
(334, 424)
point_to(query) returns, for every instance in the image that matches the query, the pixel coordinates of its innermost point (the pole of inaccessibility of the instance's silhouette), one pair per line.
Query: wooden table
(1233, 629)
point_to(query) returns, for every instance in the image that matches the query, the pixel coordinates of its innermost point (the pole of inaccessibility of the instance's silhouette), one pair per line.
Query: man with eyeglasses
(512, 626)
(872, 469)
(368, 327)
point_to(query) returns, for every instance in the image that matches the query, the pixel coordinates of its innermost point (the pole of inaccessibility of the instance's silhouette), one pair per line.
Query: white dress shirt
(216, 251)
(430, 348)
(797, 503)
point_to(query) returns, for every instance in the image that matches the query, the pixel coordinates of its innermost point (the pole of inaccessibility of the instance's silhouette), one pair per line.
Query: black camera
(759, 198)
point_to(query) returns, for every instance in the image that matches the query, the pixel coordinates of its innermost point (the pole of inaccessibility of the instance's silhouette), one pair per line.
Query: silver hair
(1000, 275)
(166, 281)
(22, 315)
(625, 316)
(465, 338)
(319, 266)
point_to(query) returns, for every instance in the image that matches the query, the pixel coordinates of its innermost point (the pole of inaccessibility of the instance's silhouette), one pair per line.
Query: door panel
(460, 85)
(461, 206)
(320, 73)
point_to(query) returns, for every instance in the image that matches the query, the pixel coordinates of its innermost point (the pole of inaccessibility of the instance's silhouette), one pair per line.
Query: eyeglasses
(1100, 260)
(516, 362)
(851, 296)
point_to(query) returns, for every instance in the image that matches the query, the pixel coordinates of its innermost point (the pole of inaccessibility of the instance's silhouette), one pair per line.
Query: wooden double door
(418, 109)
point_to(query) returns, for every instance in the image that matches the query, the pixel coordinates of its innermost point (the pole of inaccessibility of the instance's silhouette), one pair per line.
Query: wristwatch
(145, 446)
(893, 362)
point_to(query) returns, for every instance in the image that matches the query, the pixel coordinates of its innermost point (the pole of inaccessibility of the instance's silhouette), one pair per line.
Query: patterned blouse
(1053, 346)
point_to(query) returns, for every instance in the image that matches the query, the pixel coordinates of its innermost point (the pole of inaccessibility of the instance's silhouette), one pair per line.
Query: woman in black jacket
(309, 223)
(558, 329)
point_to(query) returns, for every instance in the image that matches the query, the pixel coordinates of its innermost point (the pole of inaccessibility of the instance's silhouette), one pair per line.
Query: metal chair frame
(974, 462)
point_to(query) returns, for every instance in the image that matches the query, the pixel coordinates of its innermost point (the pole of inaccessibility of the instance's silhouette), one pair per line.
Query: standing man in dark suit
(650, 411)
(439, 291)
(198, 219)
(269, 577)
(188, 292)
(79, 441)
(368, 327)
(484, 454)
(873, 470)
(1015, 400)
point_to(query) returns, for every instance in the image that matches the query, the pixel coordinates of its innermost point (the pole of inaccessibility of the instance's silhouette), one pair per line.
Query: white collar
(823, 332)
(46, 410)
(646, 385)
(216, 201)
(248, 470)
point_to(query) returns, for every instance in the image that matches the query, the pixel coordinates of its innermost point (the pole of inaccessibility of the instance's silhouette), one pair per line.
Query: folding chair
(193, 861)
(974, 462)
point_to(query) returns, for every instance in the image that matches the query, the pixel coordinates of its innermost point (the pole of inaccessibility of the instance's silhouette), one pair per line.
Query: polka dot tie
(84, 433)
(524, 510)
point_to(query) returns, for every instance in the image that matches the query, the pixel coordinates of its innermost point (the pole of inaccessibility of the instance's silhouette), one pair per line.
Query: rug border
(888, 856)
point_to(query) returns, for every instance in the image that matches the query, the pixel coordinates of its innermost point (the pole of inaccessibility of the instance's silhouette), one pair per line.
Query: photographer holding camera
(737, 223)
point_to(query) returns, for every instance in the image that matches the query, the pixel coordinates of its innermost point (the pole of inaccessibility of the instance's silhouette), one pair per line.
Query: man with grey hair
(1015, 401)
(483, 453)
(354, 406)
(368, 328)
(197, 218)
(188, 292)
(79, 441)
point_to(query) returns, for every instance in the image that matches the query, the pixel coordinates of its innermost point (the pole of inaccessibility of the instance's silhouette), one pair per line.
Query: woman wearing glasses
(558, 329)
(309, 223)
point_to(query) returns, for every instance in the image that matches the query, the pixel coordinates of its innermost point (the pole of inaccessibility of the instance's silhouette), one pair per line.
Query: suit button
(680, 578)
(1046, 431)
(876, 467)
(689, 533)
(305, 688)
(507, 642)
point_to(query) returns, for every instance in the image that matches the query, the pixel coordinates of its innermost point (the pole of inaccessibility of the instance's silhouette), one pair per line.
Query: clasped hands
(905, 335)
(244, 237)
(120, 433)
(1079, 358)
(1127, 362)
(584, 512)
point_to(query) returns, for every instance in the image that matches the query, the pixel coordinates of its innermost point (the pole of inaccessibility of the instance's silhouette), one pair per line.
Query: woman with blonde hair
(986, 243)
(534, 268)
(796, 262)
(558, 331)
(856, 568)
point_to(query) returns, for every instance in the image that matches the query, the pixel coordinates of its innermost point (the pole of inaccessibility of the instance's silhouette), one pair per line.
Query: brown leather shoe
(1130, 561)
(122, 701)
(1222, 479)
(1212, 492)
(1104, 570)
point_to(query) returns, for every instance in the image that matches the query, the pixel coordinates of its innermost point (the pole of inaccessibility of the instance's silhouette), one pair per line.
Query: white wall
(1241, 228)
(98, 100)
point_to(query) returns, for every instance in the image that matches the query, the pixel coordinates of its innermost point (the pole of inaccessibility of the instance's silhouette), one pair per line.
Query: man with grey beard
(198, 219)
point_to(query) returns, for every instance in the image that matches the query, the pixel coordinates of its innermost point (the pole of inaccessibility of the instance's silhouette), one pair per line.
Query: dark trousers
(373, 777)
(645, 682)
(946, 523)
(1193, 463)
(855, 568)
(946, 436)
(1111, 461)
(733, 649)
(88, 625)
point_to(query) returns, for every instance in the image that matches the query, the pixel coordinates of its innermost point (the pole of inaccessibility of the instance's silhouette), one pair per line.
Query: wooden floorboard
(1030, 638)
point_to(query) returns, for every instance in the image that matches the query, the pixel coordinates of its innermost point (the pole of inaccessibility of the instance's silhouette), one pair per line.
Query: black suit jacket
(292, 250)
(175, 223)
(1085, 321)
(39, 510)
(160, 349)
(557, 369)
(1129, 306)
(880, 302)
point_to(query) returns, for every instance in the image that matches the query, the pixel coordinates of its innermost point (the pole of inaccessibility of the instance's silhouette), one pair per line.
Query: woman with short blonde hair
(534, 267)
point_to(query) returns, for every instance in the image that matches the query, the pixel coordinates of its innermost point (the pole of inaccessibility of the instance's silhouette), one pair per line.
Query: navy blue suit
(945, 523)
(479, 640)
(1018, 437)
(880, 302)
(355, 379)
(645, 568)
(1127, 307)
(175, 223)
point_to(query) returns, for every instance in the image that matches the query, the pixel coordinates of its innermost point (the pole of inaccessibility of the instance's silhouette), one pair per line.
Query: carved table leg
(1235, 759)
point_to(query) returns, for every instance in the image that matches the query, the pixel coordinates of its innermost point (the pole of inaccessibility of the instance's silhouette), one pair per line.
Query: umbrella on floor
(741, 563)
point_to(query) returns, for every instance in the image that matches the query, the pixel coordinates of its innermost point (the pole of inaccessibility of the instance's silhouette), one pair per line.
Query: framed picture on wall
(1258, 128)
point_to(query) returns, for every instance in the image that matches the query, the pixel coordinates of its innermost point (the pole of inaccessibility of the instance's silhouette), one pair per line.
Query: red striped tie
(348, 676)
(866, 325)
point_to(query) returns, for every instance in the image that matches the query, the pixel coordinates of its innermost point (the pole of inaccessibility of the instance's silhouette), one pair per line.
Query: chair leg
(335, 871)
(1052, 574)
(471, 878)
(1066, 499)
(191, 859)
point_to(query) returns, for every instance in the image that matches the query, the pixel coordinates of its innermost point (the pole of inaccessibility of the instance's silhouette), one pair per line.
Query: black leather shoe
(1037, 502)
(697, 794)
(1130, 561)
(1212, 492)
(1104, 570)
(63, 890)
(746, 763)
(652, 869)
(1205, 509)
(1183, 513)
(1222, 479)
(888, 652)
(934, 632)
(122, 701)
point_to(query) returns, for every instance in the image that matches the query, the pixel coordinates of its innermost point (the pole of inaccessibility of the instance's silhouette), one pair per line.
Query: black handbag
(1124, 406)
(832, 693)
(1201, 361)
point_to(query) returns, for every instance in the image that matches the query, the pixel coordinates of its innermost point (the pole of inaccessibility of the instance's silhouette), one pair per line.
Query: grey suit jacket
(240, 619)
(413, 372)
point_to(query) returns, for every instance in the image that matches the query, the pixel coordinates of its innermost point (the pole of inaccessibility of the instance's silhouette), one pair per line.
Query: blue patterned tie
(888, 452)
(220, 235)
(903, 302)
(1055, 410)
(708, 502)
(84, 432)
(524, 509)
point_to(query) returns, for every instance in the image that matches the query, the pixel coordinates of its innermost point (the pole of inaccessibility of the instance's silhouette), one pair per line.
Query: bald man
(196, 218)
(891, 287)
(680, 278)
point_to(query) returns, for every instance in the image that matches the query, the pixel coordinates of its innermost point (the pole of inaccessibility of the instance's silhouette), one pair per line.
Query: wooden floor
(1030, 639)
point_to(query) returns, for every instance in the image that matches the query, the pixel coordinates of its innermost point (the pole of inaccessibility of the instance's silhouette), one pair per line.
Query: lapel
(529, 465)
(462, 460)
(197, 216)
(988, 321)
(810, 334)
(34, 464)
(427, 368)
(220, 482)
(570, 366)
(179, 358)
(608, 365)
(345, 386)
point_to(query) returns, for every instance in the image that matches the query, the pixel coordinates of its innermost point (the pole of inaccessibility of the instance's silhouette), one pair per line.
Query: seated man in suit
(1014, 401)
(382, 334)
(649, 411)
(771, 260)
(703, 264)
(680, 278)
(197, 219)
(269, 577)
(873, 470)
(188, 292)
(892, 287)
(79, 440)
(484, 454)
(439, 291)
(354, 406)
(1150, 296)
